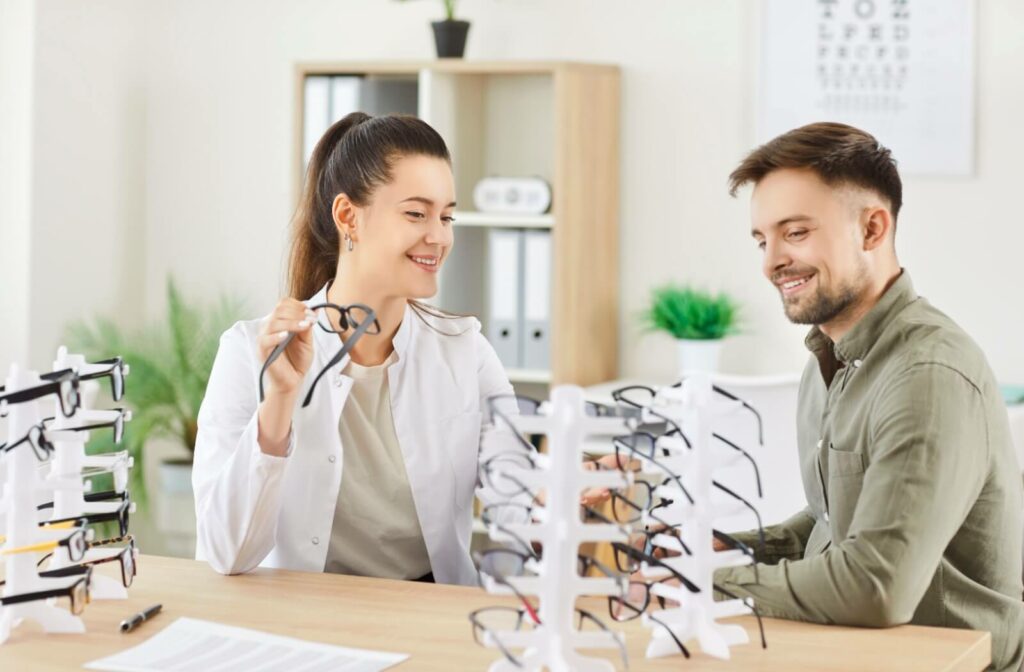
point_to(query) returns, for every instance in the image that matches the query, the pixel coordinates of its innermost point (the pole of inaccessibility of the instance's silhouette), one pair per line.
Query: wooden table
(430, 623)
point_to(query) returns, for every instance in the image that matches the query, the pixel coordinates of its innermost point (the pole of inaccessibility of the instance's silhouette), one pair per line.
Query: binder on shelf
(504, 323)
(316, 113)
(536, 280)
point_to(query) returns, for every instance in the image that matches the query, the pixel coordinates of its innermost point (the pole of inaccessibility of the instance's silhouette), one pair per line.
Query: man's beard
(823, 306)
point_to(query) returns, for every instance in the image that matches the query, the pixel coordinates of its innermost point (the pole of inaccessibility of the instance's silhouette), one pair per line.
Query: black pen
(130, 624)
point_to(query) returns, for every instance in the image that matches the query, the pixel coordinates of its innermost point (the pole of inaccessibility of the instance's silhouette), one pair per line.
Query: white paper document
(192, 644)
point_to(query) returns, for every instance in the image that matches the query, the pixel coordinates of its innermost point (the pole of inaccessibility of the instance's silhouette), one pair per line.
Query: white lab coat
(257, 509)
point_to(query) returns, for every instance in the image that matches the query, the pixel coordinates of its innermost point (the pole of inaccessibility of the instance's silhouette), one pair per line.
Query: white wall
(82, 234)
(17, 19)
(216, 152)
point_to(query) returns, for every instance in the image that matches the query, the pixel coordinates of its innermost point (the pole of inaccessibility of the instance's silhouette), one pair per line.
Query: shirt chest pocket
(461, 433)
(845, 480)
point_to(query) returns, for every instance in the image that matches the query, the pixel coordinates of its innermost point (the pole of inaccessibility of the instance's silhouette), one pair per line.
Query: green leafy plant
(170, 366)
(685, 312)
(449, 9)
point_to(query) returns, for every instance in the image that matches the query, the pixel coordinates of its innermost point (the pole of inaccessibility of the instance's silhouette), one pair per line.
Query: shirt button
(857, 363)
(819, 443)
(331, 458)
(316, 540)
(826, 516)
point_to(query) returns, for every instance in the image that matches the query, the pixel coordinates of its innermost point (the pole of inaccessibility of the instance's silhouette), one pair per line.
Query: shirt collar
(858, 341)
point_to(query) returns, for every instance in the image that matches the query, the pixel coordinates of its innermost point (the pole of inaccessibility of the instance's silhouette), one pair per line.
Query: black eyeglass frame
(366, 325)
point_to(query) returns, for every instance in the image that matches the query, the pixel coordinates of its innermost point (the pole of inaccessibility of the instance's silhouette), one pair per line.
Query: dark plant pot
(450, 38)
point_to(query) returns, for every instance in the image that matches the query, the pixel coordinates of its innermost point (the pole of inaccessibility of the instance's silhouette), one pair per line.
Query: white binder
(316, 113)
(345, 93)
(504, 323)
(537, 300)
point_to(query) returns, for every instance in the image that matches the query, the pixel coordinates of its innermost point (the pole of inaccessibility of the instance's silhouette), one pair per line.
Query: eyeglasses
(732, 397)
(501, 410)
(78, 592)
(116, 464)
(636, 602)
(127, 556)
(114, 368)
(636, 558)
(506, 512)
(647, 446)
(121, 415)
(104, 496)
(64, 525)
(120, 514)
(490, 623)
(643, 446)
(75, 543)
(36, 438)
(356, 316)
(640, 396)
(501, 563)
(62, 383)
(497, 472)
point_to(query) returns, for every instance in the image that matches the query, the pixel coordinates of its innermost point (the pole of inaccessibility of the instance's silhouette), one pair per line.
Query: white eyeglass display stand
(695, 409)
(68, 461)
(19, 504)
(552, 644)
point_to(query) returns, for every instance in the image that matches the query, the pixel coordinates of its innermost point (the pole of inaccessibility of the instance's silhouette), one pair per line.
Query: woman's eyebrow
(425, 201)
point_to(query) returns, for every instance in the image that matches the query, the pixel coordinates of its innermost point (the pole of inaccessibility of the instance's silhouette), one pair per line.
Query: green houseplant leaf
(170, 367)
(449, 9)
(689, 313)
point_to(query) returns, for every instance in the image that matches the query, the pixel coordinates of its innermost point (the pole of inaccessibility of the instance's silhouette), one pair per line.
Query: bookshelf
(552, 119)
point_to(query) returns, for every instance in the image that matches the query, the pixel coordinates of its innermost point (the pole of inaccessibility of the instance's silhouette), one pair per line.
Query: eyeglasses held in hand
(361, 318)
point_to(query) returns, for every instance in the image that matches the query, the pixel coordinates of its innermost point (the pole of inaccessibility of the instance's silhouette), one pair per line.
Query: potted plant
(450, 34)
(698, 320)
(170, 367)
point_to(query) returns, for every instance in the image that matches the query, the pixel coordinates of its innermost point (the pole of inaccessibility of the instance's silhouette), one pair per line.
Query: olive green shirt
(914, 491)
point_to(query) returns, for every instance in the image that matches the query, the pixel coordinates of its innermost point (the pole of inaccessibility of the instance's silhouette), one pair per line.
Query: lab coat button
(331, 458)
(316, 540)
(338, 382)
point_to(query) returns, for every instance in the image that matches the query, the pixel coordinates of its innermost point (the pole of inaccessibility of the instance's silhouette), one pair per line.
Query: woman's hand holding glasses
(286, 373)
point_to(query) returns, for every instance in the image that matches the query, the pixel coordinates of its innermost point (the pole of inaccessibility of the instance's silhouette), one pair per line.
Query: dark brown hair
(354, 157)
(837, 153)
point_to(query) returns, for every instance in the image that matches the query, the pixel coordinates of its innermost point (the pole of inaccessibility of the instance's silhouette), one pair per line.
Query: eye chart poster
(903, 70)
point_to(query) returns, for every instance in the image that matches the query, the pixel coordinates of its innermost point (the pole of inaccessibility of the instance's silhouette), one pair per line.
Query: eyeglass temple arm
(748, 456)
(371, 318)
(750, 603)
(760, 527)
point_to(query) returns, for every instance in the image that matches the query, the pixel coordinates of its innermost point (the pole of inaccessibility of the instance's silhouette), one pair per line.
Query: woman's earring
(351, 244)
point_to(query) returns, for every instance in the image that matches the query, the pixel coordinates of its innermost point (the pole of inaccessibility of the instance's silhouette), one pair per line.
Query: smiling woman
(376, 476)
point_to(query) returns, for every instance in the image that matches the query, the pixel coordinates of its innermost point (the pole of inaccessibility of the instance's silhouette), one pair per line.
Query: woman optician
(376, 476)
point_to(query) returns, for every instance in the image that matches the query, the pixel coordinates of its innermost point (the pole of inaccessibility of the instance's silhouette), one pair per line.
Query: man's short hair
(840, 155)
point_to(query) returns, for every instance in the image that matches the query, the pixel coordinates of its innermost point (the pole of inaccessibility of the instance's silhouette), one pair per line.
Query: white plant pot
(698, 356)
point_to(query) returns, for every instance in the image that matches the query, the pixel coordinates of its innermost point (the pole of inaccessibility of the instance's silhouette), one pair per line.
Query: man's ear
(344, 212)
(876, 226)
